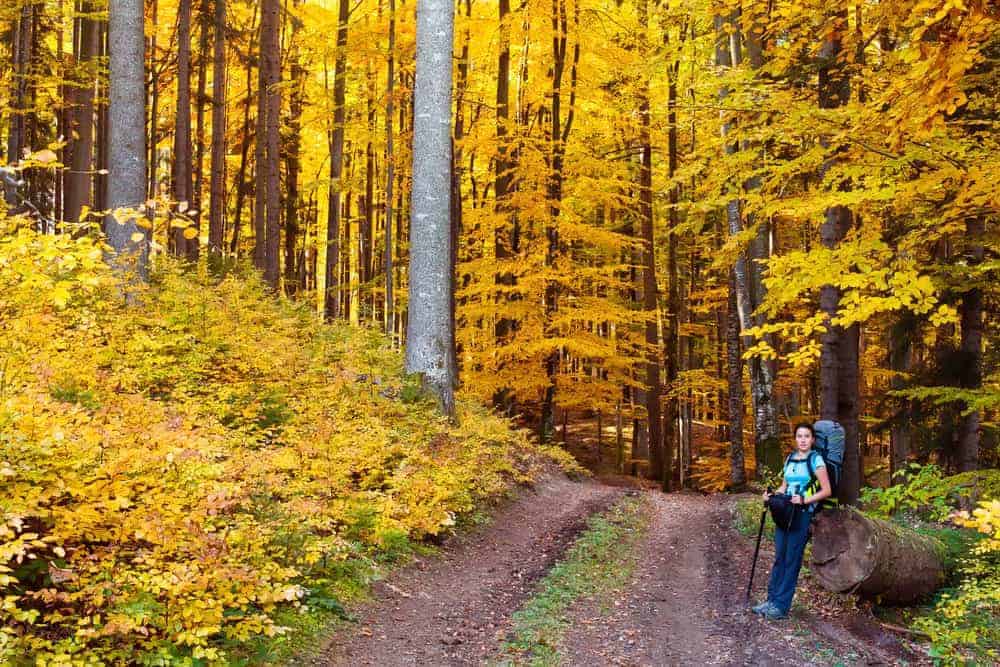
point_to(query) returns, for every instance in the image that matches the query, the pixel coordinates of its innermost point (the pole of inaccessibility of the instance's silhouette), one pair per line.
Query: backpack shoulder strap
(812, 468)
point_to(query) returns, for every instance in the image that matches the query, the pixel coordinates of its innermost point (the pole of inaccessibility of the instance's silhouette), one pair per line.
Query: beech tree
(429, 331)
(126, 135)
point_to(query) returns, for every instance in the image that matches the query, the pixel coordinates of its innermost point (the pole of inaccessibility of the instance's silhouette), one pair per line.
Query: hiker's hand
(797, 500)
(766, 496)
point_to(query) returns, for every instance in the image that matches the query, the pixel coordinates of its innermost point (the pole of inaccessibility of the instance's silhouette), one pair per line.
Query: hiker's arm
(825, 490)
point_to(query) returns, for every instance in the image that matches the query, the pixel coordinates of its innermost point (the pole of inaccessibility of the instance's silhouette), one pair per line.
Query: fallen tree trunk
(875, 558)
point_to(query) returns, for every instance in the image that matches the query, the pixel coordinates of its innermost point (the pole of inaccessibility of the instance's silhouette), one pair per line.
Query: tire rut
(455, 608)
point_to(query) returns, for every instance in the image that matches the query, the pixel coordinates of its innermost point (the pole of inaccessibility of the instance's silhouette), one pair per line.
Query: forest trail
(684, 603)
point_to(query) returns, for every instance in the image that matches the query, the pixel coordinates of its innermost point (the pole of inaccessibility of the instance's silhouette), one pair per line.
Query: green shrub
(746, 517)
(929, 495)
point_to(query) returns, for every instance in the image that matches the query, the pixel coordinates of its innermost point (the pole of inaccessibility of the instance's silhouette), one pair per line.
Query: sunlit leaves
(176, 473)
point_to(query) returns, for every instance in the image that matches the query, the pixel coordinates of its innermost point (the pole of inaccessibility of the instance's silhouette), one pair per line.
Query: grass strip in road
(601, 560)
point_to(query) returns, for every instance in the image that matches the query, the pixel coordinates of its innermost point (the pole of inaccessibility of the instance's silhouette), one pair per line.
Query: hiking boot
(772, 613)
(759, 608)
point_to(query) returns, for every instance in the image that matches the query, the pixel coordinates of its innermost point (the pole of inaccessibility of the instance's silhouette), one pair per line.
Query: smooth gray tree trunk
(126, 134)
(430, 325)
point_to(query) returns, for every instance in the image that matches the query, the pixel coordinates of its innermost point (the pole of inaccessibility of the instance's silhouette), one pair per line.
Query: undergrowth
(601, 560)
(194, 478)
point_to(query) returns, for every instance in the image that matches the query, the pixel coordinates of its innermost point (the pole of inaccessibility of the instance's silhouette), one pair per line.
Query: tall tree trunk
(242, 184)
(366, 224)
(21, 46)
(767, 436)
(839, 358)
(390, 92)
(79, 181)
(182, 128)
(101, 138)
(971, 347)
(126, 135)
(670, 343)
(650, 295)
(217, 187)
(293, 203)
(729, 53)
(271, 63)
(201, 96)
(900, 361)
(456, 169)
(429, 331)
(734, 364)
(153, 95)
(332, 301)
(558, 134)
(260, 148)
(503, 237)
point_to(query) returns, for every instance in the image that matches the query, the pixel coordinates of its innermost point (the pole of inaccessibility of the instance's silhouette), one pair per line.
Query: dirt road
(683, 606)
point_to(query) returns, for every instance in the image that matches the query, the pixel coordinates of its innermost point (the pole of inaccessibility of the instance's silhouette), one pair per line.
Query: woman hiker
(790, 542)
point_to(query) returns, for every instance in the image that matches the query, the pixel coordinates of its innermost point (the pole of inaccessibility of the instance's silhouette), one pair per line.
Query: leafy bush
(923, 491)
(176, 476)
(747, 517)
(965, 624)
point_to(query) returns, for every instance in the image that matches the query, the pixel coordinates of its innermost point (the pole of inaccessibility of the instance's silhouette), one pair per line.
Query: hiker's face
(803, 439)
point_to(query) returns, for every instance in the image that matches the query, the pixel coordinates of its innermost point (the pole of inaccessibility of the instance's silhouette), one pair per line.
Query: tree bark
(875, 558)
(271, 64)
(242, 184)
(650, 297)
(734, 365)
(971, 347)
(429, 330)
(126, 136)
(153, 95)
(559, 130)
(293, 164)
(503, 236)
(900, 361)
(839, 371)
(217, 187)
(21, 41)
(80, 179)
(198, 167)
(182, 188)
(332, 301)
(390, 92)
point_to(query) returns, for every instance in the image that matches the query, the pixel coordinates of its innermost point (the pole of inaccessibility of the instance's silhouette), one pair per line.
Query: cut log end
(875, 558)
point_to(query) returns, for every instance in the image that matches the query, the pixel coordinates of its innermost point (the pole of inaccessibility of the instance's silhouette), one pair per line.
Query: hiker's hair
(807, 426)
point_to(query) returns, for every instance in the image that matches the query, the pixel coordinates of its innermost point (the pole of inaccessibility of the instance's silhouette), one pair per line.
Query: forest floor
(681, 601)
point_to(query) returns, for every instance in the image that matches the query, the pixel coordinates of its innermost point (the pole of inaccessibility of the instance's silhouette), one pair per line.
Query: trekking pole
(756, 551)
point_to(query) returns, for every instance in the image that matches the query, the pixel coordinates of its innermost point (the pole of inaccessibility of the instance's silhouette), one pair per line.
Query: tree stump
(875, 558)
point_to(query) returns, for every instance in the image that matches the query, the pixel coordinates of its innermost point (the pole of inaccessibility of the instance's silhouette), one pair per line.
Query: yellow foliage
(173, 474)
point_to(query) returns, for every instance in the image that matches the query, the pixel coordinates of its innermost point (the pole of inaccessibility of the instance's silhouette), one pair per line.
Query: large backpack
(830, 445)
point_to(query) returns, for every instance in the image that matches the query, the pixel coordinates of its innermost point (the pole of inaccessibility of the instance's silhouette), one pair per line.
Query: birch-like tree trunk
(429, 330)
(126, 135)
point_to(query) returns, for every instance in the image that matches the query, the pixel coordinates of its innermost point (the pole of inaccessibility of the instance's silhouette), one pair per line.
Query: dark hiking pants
(789, 545)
